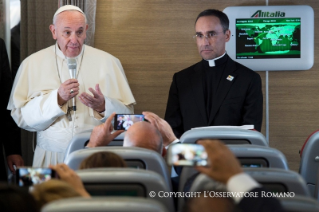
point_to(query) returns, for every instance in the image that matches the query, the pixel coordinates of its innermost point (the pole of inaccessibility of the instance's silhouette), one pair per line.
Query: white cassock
(34, 106)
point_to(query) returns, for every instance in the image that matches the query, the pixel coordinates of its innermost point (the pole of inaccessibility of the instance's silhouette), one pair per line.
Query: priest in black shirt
(216, 91)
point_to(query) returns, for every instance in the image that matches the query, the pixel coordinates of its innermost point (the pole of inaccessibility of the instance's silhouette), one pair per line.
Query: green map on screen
(259, 38)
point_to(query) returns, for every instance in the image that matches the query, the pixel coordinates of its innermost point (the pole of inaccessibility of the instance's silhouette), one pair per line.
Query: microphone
(72, 72)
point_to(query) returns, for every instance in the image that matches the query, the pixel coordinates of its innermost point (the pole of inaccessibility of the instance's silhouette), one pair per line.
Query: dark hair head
(224, 21)
(16, 199)
(103, 159)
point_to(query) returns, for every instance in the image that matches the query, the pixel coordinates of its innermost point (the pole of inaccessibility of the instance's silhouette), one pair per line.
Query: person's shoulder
(98, 53)
(188, 70)
(40, 55)
(242, 69)
(43, 52)
(245, 71)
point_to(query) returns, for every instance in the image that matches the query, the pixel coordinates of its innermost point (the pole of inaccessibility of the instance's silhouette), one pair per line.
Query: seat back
(309, 162)
(274, 180)
(106, 204)
(126, 182)
(249, 156)
(256, 156)
(278, 179)
(134, 157)
(225, 134)
(316, 192)
(79, 140)
(299, 203)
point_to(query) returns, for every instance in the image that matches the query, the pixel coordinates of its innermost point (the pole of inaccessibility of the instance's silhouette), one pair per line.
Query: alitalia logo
(261, 14)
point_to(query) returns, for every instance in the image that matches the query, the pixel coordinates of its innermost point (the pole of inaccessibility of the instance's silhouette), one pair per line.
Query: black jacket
(238, 101)
(10, 132)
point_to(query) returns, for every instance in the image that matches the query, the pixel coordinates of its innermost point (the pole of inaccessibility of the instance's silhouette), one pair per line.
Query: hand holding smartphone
(187, 155)
(124, 121)
(28, 176)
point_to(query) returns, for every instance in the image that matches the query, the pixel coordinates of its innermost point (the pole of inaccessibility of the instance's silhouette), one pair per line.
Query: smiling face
(70, 32)
(213, 47)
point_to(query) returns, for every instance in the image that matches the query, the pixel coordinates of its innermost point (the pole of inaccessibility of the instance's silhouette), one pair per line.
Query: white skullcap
(67, 8)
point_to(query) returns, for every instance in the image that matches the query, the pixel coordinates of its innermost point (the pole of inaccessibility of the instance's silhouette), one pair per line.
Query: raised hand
(96, 102)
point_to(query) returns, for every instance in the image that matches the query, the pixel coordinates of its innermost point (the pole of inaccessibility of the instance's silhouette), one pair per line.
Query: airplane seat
(309, 162)
(226, 134)
(105, 204)
(273, 179)
(135, 157)
(79, 141)
(253, 156)
(299, 203)
(127, 182)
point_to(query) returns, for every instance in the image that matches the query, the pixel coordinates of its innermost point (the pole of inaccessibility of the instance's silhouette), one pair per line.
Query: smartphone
(187, 155)
(28, 176)
(124, 121)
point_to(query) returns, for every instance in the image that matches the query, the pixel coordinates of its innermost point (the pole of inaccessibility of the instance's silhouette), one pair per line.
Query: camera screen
(124, 121)
(188, 155)
(32, 176)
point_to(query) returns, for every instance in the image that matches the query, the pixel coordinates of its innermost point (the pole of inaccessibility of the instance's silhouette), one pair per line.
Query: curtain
(2, 18)
(36, 16)
(5, 24)
(89, 8)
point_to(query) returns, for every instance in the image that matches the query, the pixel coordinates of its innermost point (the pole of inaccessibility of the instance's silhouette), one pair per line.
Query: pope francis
(43, 91)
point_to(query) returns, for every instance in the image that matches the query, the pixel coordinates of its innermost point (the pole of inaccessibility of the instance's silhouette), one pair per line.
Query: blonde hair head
(53, 190)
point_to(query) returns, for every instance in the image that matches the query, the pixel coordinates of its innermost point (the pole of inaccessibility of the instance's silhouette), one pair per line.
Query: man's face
(210, 48)
(70, 32)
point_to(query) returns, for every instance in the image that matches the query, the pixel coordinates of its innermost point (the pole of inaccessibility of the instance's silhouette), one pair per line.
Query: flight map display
(261, 38)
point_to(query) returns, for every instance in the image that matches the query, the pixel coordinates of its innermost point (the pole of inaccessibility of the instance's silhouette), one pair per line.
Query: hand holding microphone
(65, 91)
(70, 88)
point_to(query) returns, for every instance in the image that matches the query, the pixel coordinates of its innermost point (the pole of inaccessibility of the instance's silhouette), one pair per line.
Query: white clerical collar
(212, 61)
(60, 53)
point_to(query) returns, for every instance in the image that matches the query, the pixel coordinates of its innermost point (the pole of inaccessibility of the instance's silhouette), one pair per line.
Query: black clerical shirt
(211, 79)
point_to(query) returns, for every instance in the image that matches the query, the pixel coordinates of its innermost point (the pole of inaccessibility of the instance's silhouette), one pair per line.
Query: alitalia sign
(261, 14)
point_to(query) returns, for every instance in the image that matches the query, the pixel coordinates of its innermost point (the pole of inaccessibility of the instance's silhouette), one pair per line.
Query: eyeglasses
(209, 36)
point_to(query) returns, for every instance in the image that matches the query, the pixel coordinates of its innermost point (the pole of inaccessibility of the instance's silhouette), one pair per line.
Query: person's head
(143, 134)
(53, 190)
(102, 159)
(69, 29)
(16, 199)
(211, 33)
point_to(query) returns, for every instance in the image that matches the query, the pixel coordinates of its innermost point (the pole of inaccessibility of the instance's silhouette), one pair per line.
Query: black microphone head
(72, 67)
